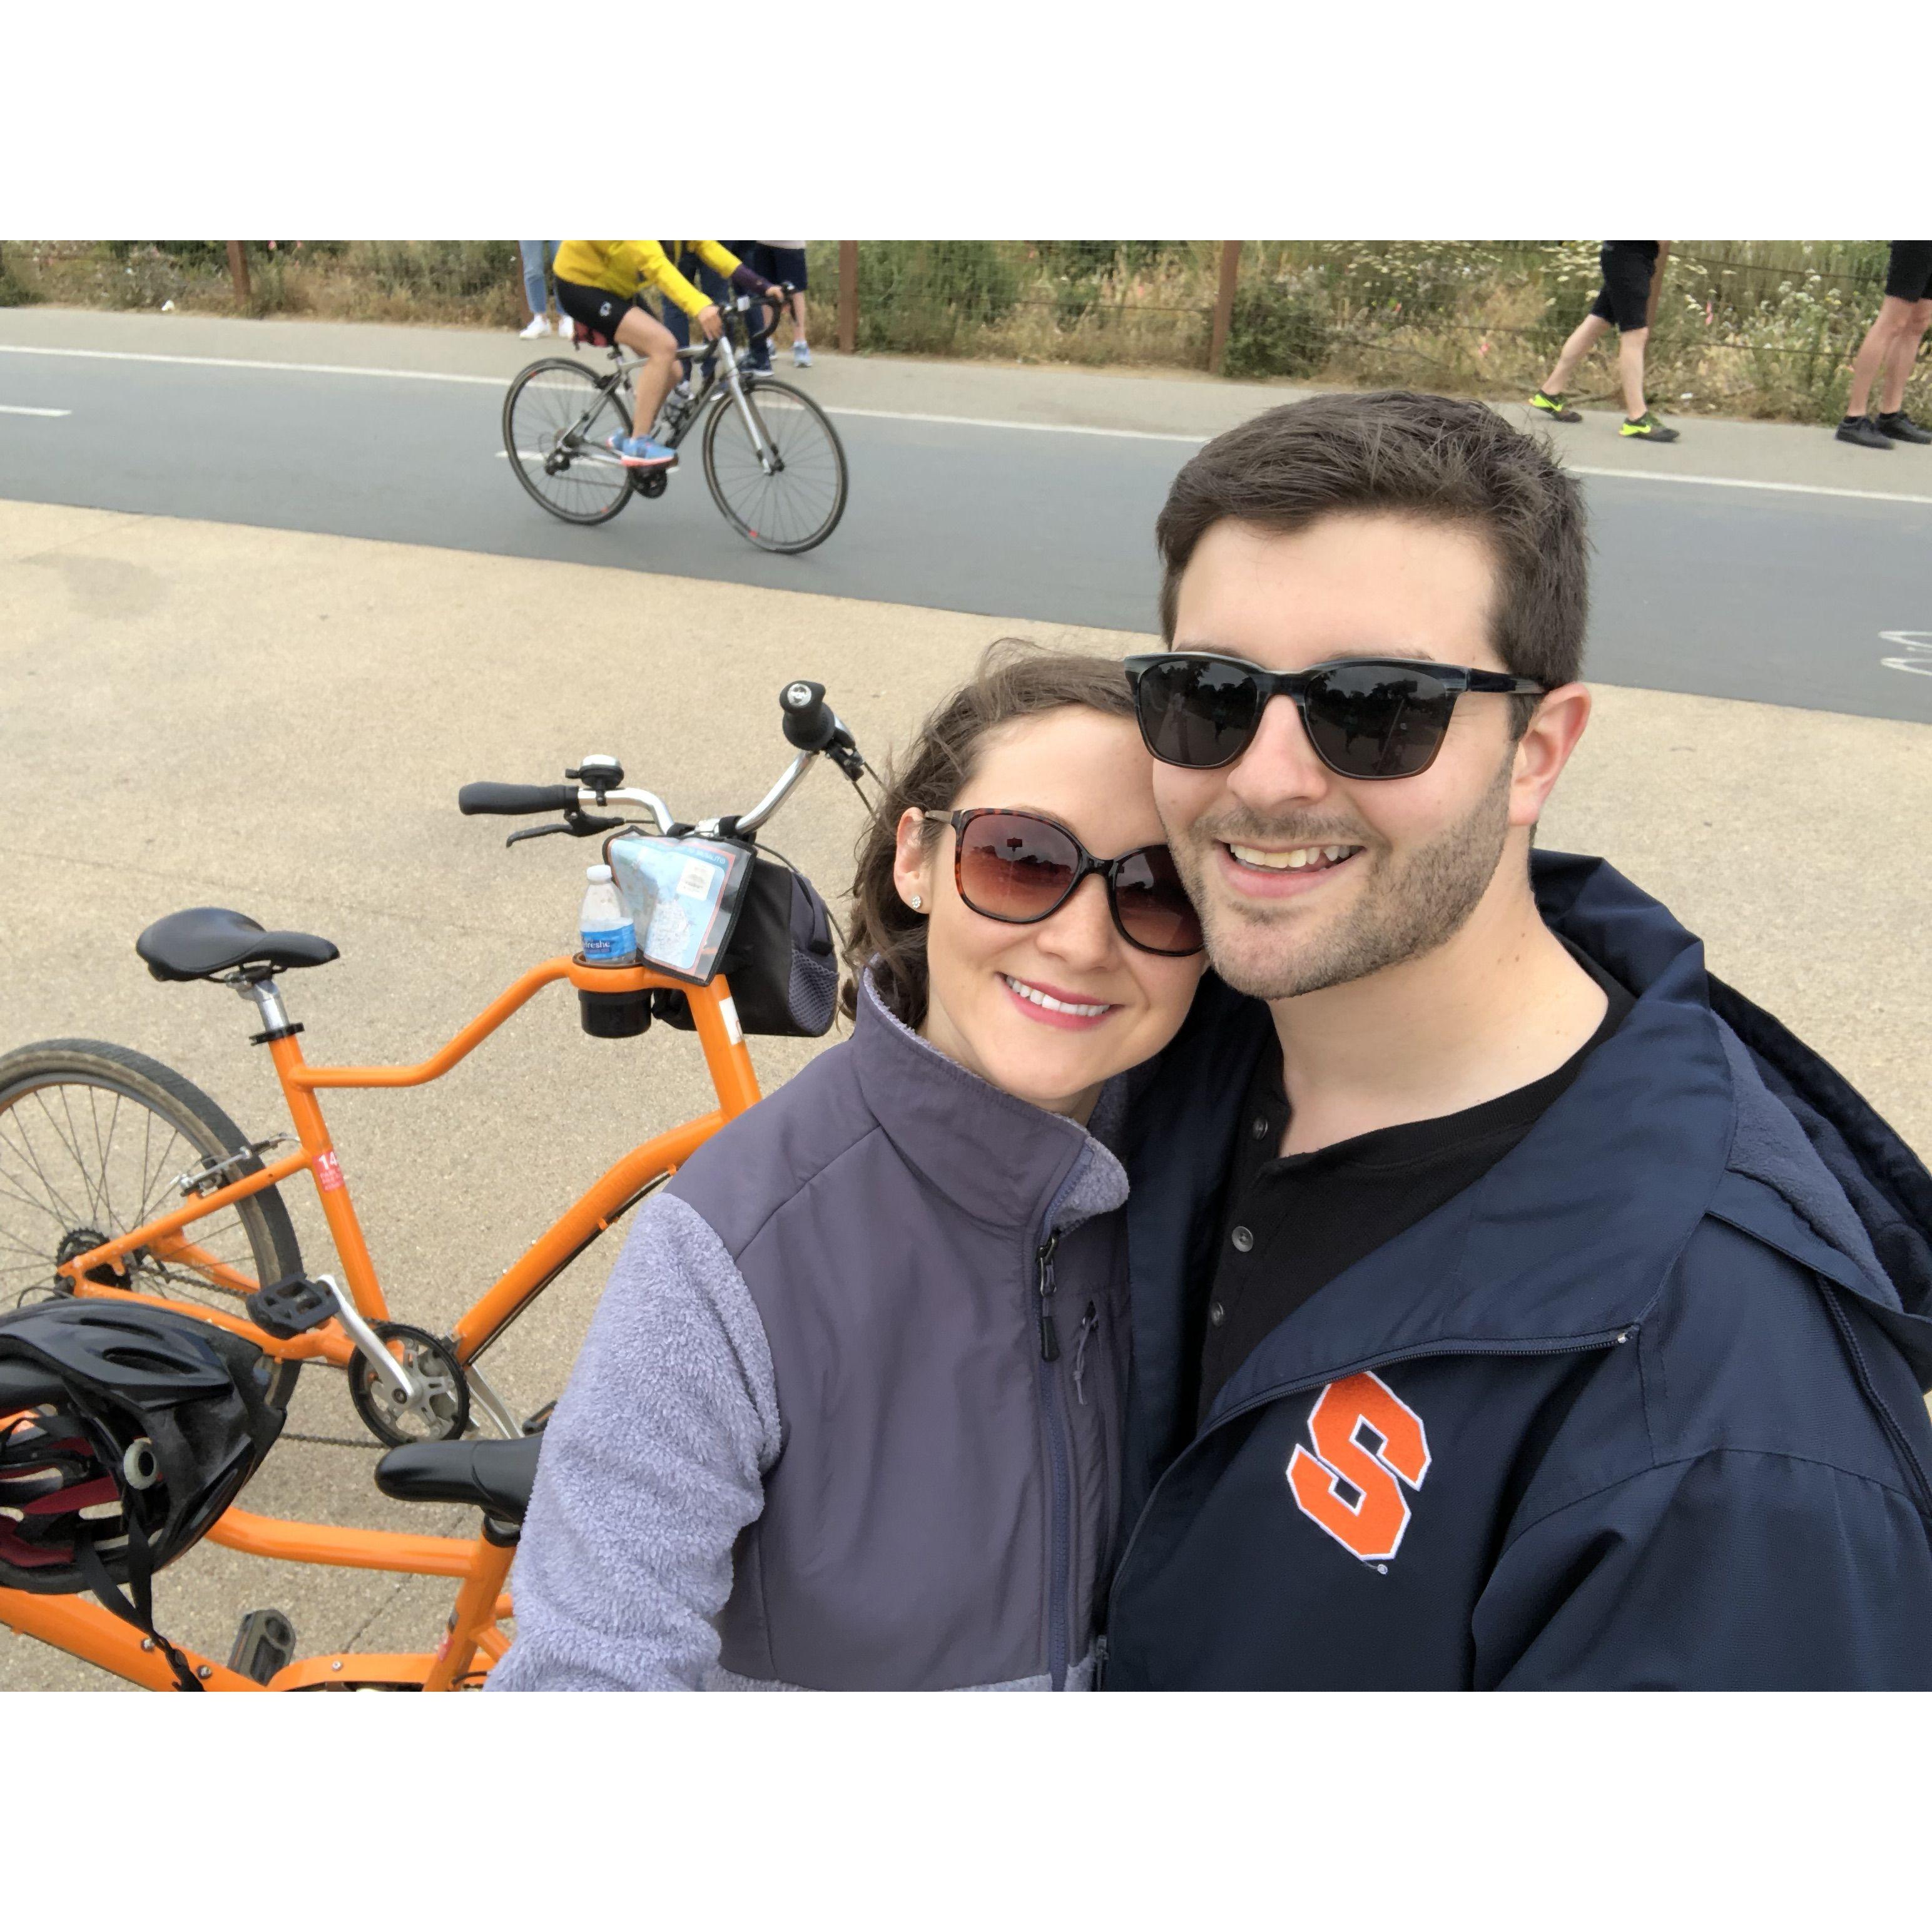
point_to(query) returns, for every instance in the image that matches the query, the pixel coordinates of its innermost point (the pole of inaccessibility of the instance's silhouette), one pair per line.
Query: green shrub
(919, 296)
(1278, 327)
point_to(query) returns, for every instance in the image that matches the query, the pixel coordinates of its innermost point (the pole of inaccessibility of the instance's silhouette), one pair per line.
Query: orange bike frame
(85, 1630)
(725, 1058)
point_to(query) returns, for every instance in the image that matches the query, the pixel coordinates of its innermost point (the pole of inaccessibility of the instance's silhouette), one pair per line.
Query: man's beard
(1406, 908)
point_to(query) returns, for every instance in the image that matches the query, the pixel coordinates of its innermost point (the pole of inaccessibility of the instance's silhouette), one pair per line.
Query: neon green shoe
(1648, 427)
(1553, 407)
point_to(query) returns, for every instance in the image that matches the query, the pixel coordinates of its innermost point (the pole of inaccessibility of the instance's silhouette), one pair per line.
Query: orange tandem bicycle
(96, 1140)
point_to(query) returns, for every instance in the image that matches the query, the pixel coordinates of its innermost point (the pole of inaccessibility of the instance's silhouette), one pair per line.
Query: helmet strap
(137, 1607)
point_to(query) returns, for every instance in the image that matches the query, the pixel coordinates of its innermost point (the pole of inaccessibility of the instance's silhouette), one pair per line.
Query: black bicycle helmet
(125, 1431)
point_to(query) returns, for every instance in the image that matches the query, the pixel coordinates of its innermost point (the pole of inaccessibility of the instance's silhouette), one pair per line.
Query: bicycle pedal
(539, 1419)
(265, 1643)
(291, 1306)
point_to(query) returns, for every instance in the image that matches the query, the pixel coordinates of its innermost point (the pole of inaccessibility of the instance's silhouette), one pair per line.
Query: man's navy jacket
(1642, 1407)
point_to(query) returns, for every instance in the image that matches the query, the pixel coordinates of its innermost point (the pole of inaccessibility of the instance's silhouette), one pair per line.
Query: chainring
(441, 1414)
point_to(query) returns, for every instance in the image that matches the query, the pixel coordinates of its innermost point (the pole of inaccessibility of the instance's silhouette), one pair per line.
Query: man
(1514, 1305)
(1633, 279)
(1890, 348)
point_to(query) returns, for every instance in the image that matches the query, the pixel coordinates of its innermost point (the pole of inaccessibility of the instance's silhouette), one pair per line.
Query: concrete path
(1750, 560)
(215, 714)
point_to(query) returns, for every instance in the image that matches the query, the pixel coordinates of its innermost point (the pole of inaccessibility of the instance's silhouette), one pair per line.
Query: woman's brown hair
(1014, 679)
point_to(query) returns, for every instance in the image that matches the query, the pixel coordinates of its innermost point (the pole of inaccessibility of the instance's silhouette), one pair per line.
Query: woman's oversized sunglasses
(1020, 869)
(1367, 718)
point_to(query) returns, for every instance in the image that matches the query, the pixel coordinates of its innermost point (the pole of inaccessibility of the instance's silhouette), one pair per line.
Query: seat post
(268, 998)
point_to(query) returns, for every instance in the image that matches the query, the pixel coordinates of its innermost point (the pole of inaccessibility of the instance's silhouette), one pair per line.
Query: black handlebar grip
(514, 801)
(809, 720)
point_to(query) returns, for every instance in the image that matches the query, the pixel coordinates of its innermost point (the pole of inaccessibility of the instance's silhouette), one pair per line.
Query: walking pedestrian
(1890, 348)
(537, 257)
(1633, 278)
(784, 262)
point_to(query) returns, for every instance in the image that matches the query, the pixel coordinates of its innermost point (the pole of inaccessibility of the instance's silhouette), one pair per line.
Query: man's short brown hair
(1415, 455)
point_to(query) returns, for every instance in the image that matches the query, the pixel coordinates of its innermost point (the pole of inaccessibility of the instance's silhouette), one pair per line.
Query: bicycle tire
(795, 441)
(532, 433)
(29, 1076)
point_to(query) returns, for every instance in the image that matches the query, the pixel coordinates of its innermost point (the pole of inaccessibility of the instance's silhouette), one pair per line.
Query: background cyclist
(598, 285)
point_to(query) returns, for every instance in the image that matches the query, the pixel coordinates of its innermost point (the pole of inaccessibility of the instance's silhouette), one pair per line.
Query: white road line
(21, 409)
(1745, 483)
(240, 362)
(996, 422)
(906, 416)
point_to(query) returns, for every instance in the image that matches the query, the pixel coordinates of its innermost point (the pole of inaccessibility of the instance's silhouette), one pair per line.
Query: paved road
(1781, 594)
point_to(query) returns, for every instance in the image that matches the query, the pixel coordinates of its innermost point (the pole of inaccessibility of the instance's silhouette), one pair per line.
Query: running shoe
(1554, 407)
(539, 325)
(801, 355)
(639, 452)
(1900, 427)
(1648, 427)
(1863, 431)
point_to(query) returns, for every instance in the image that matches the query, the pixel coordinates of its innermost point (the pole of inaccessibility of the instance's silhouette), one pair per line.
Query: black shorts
(596, 309)
(775, 264)
(1629, 267)
(1908, 275)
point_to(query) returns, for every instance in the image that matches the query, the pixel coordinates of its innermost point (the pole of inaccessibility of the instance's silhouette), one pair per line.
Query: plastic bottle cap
(598, 875)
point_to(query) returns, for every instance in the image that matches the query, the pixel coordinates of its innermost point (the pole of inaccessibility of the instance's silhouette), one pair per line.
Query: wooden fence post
(238, 267)
(848, 298)
(1224, 304)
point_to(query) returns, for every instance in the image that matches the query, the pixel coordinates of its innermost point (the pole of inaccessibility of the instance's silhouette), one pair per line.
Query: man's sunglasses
(1367, 717)
(1020, 869)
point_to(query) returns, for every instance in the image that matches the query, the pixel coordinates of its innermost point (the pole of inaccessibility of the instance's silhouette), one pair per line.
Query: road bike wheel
(555, 418)
(799, 506)
(93, 1138)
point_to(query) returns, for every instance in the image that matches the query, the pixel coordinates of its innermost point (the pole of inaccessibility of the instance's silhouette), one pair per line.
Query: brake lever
(578, 824)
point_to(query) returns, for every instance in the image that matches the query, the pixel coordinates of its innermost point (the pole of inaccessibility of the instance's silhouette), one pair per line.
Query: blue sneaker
(639, 452)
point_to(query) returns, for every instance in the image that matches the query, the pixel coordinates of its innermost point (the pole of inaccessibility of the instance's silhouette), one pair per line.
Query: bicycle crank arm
(369, 1345)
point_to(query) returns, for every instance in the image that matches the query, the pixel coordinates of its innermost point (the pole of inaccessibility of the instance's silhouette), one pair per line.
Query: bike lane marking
(21, 409)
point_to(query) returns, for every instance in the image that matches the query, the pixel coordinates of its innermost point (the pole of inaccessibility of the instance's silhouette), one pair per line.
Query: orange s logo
(1371, 1526)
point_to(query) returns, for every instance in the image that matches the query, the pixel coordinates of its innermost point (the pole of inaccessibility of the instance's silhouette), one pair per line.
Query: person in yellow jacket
(598, 285)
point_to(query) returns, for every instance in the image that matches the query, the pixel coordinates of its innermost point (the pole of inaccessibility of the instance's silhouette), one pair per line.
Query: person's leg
(1583, 338)
(1917, 318)
(534, 300)
(640, 330)
(1629, 370)
(1886, 333)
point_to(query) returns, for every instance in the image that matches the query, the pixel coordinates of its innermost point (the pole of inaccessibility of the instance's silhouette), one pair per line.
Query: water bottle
(677, 407)
(608, 937)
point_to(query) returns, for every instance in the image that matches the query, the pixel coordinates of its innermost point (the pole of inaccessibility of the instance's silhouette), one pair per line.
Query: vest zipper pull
(1049, 1342)
(1089, 1322)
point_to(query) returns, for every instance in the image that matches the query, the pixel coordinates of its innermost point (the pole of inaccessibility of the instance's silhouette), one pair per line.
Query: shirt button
(1260, 1128)
(1243, 1240)
(1216, 1314)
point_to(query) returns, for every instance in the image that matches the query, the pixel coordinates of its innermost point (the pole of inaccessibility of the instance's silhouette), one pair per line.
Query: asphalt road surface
(1796, 598)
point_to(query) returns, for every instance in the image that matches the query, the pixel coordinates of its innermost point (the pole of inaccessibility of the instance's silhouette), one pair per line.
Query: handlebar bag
(779, 959)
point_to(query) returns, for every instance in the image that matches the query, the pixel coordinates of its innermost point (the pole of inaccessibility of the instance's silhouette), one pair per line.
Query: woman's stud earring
(917, 902)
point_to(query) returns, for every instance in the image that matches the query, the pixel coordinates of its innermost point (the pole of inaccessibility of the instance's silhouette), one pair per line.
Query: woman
(848, 1415)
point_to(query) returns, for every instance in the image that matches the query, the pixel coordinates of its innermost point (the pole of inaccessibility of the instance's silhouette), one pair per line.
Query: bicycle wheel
(798, 505)
(555, 418)
(93, 1141)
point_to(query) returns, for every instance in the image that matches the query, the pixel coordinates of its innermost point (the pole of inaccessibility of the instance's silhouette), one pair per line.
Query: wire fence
(1763, 328)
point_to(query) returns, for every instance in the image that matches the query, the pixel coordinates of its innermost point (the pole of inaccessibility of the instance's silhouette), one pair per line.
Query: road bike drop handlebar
(811, 726)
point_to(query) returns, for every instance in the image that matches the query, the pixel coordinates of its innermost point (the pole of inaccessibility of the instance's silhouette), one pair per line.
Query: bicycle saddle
(206, 940)
(495, 1477)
